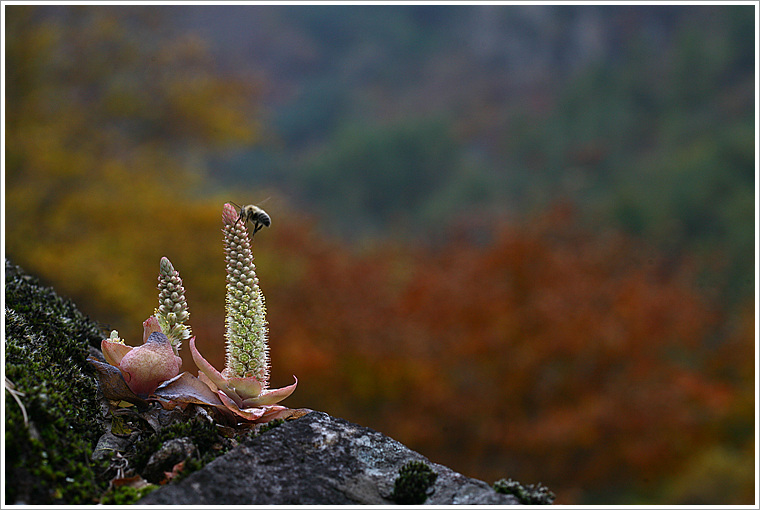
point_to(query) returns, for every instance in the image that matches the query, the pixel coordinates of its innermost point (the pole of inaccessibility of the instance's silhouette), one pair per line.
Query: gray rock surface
(172, 452)
(321, 460)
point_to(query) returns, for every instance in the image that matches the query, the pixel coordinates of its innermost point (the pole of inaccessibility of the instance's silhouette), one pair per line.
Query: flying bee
(255, 215)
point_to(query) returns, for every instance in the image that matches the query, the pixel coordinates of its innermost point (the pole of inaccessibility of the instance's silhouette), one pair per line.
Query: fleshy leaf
(251, 414)
(114, 352)
(147, 366)
(284, 413)
(245, 387)
(112, 383)
(208, 382)
(207, 368)
(270, 397)
(187, 389)
(150, 326)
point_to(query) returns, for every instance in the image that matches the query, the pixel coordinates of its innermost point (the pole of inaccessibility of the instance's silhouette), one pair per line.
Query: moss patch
(46, 345)
(49, 455)
(126, 495)
(270, 425)
(527, 494)
(414, 480)
(204, 435)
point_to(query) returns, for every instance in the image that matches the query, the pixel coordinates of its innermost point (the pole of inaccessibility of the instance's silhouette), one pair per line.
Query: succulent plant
(243, 384)
(141, 369)
(151, 371)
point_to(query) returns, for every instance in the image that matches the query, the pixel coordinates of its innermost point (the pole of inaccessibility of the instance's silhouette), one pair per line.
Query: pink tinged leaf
(229, 214)
(227, 390)
(208, 382)
(147, 366)
(249, 414)
(269, 397)
(112, 383)
(150, 326)
(187, 389)
(283, 413)
(211, 376)
(278, 412)
(245, 387)
(207, 369)
(114, 351)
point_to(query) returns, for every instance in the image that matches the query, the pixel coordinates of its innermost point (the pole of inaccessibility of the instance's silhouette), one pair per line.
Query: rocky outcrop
(318, 459)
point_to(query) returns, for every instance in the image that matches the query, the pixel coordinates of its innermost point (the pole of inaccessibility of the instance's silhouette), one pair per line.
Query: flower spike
(246, 334)
(172, 310)
(243, 384)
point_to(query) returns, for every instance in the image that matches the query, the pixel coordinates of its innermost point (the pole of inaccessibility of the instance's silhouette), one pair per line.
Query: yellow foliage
(108, 124)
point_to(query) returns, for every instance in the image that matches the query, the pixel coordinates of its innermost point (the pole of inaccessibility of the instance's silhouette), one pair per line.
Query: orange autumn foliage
(547, 352)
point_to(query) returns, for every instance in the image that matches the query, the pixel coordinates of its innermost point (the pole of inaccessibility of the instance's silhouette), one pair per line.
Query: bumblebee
(255, 214)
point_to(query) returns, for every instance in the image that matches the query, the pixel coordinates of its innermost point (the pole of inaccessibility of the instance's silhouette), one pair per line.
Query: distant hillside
(396, 119)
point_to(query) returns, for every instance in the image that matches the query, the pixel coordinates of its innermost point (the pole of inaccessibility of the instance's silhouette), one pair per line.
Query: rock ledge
(320, 460)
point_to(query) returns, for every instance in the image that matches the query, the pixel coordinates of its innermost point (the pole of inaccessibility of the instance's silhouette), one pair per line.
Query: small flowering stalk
(172, 310)
(243, 384)
(134, 373)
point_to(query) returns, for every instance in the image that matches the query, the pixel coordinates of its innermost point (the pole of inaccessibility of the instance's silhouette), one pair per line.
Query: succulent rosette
(243, 384)
(133, 373)
(247, 397)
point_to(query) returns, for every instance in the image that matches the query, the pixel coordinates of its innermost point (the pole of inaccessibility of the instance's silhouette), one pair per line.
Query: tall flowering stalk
(172, 310)
(246, 325)
(242, 385)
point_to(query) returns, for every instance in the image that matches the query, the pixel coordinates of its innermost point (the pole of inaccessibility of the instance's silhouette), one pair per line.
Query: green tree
(393, 170)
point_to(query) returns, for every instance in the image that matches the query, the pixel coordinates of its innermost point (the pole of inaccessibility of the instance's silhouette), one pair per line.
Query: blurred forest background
(519, 239)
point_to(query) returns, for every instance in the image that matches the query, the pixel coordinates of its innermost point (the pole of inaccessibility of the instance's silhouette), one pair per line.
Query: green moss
(413, 481)
(46, 346)
(202, 433)
(527, 494)
(126, 495)
(271, 425)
